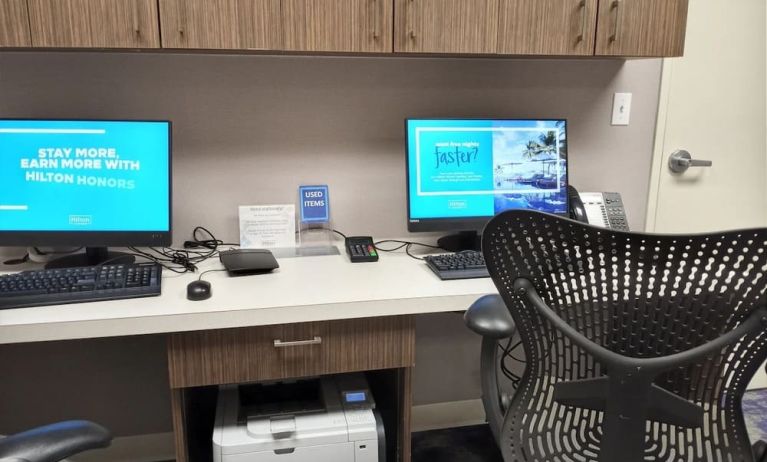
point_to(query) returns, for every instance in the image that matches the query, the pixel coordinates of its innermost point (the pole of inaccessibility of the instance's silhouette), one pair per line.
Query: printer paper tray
(339, 452)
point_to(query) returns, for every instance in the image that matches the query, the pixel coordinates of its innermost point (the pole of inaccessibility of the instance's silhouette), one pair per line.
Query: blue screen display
(356, 397)
(84, 176)
(478, 168)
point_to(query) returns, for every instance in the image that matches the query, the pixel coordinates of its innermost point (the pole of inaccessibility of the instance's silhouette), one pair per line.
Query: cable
(210, 243)
(343, 236)
(17, 261)
(201, 247)
(210, 271)
(407, 245)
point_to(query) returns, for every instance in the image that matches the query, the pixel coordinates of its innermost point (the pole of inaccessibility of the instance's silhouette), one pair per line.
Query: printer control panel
(357, 399)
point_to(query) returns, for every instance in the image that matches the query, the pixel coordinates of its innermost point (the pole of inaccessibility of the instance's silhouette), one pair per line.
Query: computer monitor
(85, 183)
(462, 172)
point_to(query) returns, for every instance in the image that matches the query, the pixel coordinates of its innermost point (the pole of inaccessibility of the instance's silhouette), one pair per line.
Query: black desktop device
(462, 172)
(85, 183)
(240, 262)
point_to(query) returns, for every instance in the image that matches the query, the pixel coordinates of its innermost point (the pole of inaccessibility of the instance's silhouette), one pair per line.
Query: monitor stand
(92, 256)
(464, 240)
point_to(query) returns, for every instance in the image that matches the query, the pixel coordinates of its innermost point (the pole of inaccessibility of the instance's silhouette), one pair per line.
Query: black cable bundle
(202, 246)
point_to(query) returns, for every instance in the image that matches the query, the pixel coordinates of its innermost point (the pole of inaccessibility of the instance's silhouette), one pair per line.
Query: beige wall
(249, 129)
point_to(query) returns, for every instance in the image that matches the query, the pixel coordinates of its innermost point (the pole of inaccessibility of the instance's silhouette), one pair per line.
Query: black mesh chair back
(638, 347)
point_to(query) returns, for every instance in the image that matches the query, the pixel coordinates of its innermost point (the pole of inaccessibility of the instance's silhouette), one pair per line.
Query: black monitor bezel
(466, 223)
(12, 238)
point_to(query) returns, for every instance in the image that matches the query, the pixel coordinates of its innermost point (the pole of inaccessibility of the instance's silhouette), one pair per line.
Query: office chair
(53, 443)
(637, 346)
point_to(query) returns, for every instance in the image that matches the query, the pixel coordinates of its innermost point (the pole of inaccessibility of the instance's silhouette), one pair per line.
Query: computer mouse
(198, 290)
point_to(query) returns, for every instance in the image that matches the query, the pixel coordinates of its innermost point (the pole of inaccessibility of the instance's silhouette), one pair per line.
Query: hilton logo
(80, 220)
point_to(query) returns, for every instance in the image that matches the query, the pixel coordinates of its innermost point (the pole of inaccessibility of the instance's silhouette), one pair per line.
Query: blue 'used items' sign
(315, 204)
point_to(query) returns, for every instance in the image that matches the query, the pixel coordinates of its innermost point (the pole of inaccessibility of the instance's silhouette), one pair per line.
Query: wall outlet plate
(622, 109)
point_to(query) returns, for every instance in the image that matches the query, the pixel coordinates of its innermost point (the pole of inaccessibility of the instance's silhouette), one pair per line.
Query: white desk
(303, 289)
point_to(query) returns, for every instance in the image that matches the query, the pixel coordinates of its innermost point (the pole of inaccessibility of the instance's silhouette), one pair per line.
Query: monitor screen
(462, 172)
(84, 177)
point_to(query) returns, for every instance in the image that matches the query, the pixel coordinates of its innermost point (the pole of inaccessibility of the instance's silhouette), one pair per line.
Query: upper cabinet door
(14, 24)
(642, 27)
(547, 27)
(446, 26)
(94, 23)
(337, 25)
(221, 24)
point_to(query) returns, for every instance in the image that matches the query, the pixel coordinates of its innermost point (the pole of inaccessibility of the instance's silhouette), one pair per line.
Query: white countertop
(302, 289)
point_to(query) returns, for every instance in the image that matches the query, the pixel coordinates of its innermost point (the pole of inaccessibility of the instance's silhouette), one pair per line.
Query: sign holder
(315, 231)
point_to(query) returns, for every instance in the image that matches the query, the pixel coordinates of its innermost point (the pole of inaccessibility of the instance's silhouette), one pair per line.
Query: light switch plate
(622, 109)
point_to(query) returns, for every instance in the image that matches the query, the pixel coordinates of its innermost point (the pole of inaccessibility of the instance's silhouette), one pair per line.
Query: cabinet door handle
(408, 21)
(616, 5)
(376, 20)
(280, 344)
(582, 36)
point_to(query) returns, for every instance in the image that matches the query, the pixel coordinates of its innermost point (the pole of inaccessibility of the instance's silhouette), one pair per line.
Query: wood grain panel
(641, 27)
(14, 24)
(178, 414)
(405, 398)
(249, 355)
(337, 25)
(221, 24)
(446, 26)
(94, 23)
(547, 27)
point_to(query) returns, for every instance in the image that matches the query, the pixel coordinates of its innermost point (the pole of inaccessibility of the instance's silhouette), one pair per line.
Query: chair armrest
(755, 321)
(489, 317)
(55, 442)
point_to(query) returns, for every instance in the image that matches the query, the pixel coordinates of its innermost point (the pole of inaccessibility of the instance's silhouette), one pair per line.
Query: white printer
(329, 419)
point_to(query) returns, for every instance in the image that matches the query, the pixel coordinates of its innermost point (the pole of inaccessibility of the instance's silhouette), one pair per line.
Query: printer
(328, 419)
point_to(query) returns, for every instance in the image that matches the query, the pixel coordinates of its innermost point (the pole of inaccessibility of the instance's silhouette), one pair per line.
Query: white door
(713, 104)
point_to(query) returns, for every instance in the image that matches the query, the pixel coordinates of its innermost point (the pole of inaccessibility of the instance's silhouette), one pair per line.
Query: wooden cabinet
(382, 348)
(94, 23)
(337, 25)
(14, 24)
(446, 26)
(641, 27)
(547, 27)
(620, 28)
(292, 350)
(221, 24)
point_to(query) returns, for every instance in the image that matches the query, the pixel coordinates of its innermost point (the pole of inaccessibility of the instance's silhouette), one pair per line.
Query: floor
(755, 411)
(476, 444)
(463, 444)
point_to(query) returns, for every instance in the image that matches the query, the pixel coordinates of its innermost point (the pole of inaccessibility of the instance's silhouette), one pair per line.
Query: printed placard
(267, 226)
(315, 204)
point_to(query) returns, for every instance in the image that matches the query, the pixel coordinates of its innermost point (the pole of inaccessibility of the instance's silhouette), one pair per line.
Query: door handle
(680, 160)
(280, 344)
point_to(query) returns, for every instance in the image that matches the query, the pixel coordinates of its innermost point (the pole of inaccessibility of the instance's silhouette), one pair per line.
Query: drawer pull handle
(280, 344)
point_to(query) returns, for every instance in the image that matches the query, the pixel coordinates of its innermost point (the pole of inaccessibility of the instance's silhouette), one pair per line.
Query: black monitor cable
(203, 246)
(17, 261)
(407, 245)
(339, 233)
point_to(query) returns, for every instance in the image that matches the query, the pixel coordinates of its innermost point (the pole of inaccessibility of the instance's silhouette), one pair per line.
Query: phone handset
(603, 209)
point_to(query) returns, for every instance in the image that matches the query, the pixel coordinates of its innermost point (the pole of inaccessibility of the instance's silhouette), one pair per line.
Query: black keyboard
(82, 284)
(461, 265)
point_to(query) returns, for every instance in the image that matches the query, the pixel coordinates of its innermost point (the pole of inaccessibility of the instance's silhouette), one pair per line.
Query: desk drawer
(254, 354)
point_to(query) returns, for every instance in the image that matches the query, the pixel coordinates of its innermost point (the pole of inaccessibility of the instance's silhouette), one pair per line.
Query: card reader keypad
(361, 249)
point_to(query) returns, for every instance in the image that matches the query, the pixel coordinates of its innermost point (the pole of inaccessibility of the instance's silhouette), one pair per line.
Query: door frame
(658, 156)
